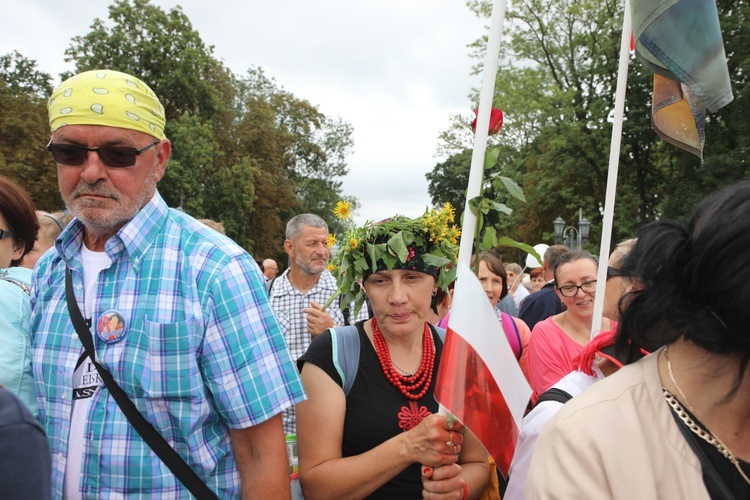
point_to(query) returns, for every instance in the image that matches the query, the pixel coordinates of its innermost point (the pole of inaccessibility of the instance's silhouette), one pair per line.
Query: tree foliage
(245, 152)
(556, 85)
(22, 77)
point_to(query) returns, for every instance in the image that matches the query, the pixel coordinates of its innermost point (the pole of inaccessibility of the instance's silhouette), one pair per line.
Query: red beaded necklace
(412, 386)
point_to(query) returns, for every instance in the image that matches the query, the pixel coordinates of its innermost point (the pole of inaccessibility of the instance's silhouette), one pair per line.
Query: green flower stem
(331, 299)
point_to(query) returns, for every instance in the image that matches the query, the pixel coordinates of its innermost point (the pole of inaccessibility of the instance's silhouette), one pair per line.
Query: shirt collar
(135, 237)
(326, 281)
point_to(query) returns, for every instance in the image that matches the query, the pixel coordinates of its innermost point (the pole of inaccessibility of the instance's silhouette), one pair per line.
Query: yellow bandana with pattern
(109, 98)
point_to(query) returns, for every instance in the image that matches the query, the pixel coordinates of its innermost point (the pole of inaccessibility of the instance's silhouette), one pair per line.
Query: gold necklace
(702, 433)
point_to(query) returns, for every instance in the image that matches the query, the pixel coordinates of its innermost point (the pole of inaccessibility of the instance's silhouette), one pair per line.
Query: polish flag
(479, 380)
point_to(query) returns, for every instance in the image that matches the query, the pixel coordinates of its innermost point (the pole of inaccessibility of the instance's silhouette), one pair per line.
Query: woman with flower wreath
(383, 438)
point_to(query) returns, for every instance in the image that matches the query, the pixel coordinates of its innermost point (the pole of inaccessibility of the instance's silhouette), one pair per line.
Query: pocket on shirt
(170, 366)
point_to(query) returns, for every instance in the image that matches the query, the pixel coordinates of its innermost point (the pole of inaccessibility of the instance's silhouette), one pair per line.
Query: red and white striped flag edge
(479, 380)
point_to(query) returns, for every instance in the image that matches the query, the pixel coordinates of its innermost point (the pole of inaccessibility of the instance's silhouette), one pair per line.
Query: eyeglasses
(4, 233)
(572, 290)
(112, 156)
(613, 272)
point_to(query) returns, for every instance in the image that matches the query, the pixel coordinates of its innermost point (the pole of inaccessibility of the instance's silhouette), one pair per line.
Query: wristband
(466, 491)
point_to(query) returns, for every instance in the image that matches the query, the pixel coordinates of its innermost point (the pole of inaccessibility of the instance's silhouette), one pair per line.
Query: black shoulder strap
(554, 394)
(151, 436)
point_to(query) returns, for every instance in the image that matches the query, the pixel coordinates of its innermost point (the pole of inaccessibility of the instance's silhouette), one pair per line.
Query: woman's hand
(433, 444)
(444, 482)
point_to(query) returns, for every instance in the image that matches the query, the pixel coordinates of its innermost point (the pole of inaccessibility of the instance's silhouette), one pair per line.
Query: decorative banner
(680, 41)
(677, 116)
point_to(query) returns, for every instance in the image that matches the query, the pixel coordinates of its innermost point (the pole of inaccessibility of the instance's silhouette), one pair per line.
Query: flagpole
(614, 159)
(476, 173)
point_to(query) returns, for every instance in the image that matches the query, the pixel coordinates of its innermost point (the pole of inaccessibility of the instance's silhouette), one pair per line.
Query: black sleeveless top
(375, 409)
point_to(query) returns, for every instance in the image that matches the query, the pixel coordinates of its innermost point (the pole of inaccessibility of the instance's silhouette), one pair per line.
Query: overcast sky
(395, 69)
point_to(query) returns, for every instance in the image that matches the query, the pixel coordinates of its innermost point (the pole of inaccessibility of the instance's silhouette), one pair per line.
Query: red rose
(496, 121)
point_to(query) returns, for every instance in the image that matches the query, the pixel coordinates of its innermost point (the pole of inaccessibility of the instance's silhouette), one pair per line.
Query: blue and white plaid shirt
(201, 353)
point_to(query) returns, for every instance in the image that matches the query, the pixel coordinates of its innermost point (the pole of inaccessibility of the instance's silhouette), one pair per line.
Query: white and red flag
(479, 380)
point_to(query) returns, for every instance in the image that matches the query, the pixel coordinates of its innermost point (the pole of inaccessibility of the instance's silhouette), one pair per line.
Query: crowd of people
(145, 354)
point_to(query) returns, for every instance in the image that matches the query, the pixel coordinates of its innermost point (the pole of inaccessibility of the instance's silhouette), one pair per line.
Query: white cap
(531, 261)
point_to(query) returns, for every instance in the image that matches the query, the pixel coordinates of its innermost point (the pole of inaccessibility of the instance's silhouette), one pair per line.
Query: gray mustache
(95, 189)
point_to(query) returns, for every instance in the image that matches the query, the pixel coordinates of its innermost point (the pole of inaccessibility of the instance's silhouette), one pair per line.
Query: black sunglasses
(4, 233)
(112, 156)
(613, 272)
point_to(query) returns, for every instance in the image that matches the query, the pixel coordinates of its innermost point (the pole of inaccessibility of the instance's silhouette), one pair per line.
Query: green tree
(556, 85)
(312, 147)
(22, 77)
(162, 49)
(245, 152)
(24, 130)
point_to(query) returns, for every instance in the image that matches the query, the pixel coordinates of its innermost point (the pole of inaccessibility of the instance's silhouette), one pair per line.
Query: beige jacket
(616, 440)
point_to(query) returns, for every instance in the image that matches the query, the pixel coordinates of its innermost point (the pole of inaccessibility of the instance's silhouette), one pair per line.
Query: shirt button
(65, 396)
(60, 456)
(75, 336)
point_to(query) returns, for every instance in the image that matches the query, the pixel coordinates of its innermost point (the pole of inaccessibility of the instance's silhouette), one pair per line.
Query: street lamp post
(572, 237)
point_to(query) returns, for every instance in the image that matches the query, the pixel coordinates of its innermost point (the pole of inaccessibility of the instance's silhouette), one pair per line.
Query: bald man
(270, 269)
(200, 353)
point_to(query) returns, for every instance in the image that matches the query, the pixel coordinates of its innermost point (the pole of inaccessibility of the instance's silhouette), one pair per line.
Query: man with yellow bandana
(197, 347)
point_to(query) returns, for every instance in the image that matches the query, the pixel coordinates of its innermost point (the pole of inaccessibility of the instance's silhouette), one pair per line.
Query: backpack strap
(554, 394)
(441, 332)
(345, 347)
(345, 352)
(515, 340)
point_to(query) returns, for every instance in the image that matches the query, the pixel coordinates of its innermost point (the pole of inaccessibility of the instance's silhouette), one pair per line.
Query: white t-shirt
(86, 380)
(521, 293)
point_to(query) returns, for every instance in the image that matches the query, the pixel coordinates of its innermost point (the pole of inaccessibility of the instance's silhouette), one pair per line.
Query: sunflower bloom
(331, 267)
(331, 240)
(451, 215)
(353, 243)
(343, 210)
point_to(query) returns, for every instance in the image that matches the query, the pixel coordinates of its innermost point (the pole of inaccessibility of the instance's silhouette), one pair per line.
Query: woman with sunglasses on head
(18, 231)
(675, 424)
(558, 339)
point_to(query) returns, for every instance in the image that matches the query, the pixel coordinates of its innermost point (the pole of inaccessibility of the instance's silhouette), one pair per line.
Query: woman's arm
(320, 426)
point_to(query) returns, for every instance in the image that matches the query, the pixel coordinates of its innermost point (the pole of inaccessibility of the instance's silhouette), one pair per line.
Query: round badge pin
(111, 326)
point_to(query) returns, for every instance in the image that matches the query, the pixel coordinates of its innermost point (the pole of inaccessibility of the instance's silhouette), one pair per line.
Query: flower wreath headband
(427, 244)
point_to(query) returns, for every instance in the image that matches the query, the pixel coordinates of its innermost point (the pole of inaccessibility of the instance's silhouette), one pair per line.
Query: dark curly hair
(693, 280)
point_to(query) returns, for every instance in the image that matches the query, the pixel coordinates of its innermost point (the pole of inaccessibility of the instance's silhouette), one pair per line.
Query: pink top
(551, 353)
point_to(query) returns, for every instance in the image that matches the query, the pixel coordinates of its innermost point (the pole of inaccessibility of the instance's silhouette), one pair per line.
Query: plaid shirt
(202, 353)
(288, 303)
